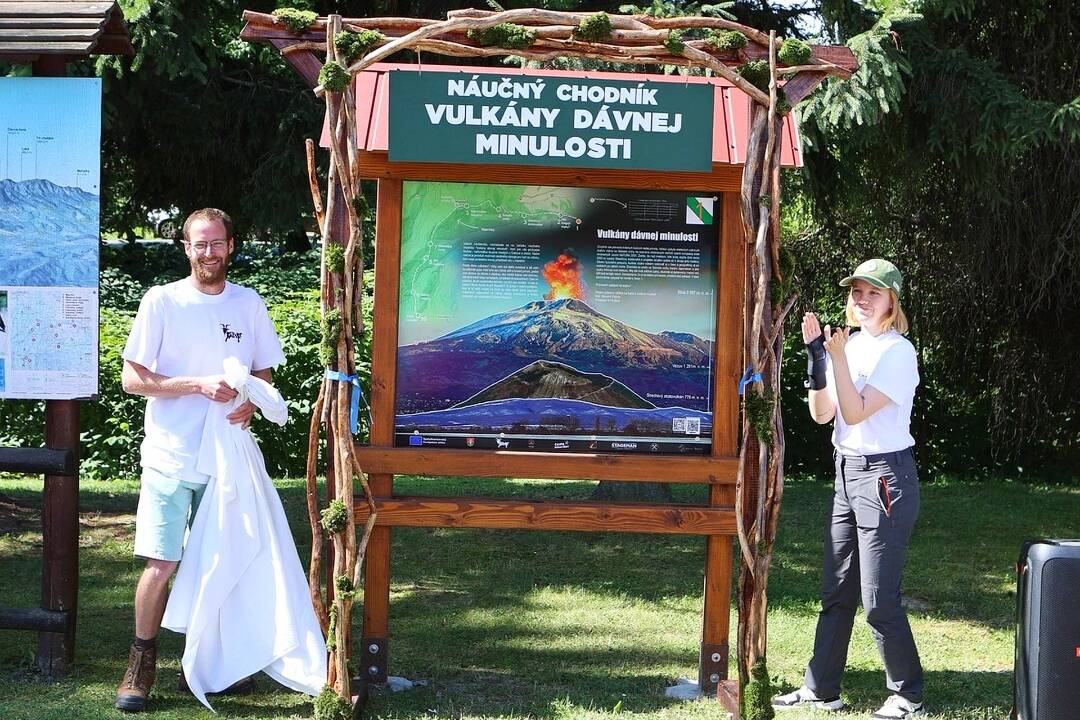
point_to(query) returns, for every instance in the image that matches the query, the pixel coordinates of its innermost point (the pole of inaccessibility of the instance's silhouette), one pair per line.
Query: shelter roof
(731, 108)
(30, 29)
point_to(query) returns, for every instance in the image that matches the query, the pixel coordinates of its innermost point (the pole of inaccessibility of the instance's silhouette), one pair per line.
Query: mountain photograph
(665, 369)
(48, 234)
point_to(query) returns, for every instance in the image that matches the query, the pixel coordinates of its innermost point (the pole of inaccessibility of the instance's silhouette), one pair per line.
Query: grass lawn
(559, 625)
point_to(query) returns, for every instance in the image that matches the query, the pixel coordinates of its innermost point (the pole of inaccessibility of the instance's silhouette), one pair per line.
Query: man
(174, 355)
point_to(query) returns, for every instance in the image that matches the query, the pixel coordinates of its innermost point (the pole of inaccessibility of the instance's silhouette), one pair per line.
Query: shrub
(328, 706)
(726, 40)
(793, 52)
(296, 20)
(756, 72)
(593, 28)
(354, 46)
(504, 35)
(334, 77)
(674, 42)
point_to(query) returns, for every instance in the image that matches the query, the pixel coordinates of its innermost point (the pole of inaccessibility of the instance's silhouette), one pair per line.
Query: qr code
(678, 425)
(693, 426)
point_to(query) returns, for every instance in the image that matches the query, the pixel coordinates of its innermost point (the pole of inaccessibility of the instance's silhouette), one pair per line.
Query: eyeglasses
(201, 247)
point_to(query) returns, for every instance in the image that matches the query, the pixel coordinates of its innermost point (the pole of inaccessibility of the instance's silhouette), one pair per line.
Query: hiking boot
(133, 692)
(243, 686)
(805, 698)
(897, 707)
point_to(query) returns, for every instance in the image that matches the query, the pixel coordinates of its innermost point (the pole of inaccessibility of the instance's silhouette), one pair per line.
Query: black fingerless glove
(815, 363)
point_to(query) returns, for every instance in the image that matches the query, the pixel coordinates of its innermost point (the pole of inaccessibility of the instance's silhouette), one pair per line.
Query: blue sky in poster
(50, 129)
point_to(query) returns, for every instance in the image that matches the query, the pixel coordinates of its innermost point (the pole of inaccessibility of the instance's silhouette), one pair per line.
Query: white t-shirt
(888, 363)
(180, 331)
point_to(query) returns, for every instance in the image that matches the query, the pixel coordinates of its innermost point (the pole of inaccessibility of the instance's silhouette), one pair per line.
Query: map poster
(49, 210)
(556, 319)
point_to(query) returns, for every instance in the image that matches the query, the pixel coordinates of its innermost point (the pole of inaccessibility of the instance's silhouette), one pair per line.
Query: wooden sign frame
(715, 519)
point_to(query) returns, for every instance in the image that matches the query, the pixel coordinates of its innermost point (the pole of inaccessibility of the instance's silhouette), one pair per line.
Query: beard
(212, 274)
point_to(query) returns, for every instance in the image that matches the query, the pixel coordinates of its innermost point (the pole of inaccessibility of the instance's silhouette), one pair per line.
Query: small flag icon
(699, 210)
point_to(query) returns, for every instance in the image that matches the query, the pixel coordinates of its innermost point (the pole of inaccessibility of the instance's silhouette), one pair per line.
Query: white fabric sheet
(241, 594)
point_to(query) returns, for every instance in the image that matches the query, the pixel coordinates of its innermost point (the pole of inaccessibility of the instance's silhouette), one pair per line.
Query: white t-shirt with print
(887, 363)
(182, 332)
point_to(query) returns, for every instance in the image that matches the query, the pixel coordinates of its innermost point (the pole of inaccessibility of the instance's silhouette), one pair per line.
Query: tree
(198, 117)
(954, 150)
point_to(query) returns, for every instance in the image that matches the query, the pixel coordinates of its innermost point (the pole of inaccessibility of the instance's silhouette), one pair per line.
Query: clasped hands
(215, 388)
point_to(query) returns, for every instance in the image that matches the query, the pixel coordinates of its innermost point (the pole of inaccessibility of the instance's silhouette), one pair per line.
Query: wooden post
(60, 504)
(60, 541)
(376, 634)
(715, 628)
(719, 559)
(331, 494)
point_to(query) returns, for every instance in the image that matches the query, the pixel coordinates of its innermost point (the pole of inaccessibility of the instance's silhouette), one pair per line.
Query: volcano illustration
(665, 369)
(546, 379)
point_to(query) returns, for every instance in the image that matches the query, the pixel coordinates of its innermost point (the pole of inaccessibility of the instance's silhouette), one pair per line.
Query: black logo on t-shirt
(230, 334)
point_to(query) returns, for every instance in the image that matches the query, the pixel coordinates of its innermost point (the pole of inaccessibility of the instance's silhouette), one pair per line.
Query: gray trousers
(875, 504)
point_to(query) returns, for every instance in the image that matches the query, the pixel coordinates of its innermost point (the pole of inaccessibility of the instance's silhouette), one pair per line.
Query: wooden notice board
(382, 460)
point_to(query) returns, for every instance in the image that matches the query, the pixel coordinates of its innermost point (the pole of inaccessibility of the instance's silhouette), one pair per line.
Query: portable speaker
(1047, 673)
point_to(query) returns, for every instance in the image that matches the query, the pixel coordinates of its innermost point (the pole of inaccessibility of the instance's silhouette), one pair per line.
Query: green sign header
(458, 117)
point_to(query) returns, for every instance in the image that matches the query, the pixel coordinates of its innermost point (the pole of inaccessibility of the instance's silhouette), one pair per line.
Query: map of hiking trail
(435, 265)
(50, 167)
(54, 334)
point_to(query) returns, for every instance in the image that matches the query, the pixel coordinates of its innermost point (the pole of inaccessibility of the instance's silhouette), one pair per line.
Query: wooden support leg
(713, 659)
(60, 541)
(376, 636)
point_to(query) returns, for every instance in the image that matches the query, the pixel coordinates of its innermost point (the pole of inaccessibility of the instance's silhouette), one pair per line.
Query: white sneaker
(899, 708)
(804, 698)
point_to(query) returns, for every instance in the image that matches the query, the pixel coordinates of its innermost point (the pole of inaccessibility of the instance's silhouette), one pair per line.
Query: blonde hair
(894, 319)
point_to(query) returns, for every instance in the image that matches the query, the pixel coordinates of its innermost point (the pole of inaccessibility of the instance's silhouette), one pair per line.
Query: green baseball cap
(877, 272)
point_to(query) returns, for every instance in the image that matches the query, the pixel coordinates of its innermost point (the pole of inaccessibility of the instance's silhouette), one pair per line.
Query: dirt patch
(16, 518)
(94, 527)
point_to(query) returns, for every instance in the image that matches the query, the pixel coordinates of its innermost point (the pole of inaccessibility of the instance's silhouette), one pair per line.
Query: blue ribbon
(357, 396)
(747, 378)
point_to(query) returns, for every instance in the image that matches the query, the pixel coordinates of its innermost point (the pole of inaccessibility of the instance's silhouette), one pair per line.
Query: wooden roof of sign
(731, 108)
(633, 39)
(30, 29)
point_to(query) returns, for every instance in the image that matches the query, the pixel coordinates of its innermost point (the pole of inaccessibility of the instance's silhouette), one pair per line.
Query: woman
(867, 385)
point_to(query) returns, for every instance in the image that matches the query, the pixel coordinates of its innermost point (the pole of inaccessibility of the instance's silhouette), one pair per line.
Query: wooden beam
(60, 540)
(724, 177)
(34, 619)
(384, 344)
(797, 88)
(34, 461)
(306, 64)
(567, 466)
(49, 22)
(52, 48)
(730, 285)
(719, 560)
(480, 513)
(384, 327)
(48, 35)
(113, 44)
(21, 8)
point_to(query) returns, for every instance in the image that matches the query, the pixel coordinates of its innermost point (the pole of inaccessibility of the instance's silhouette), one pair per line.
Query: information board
(556, 319)
(456, 117)
(49, 211)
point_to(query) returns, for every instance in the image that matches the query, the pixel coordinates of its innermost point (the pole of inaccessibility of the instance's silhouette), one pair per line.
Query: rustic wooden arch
(308, 43)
